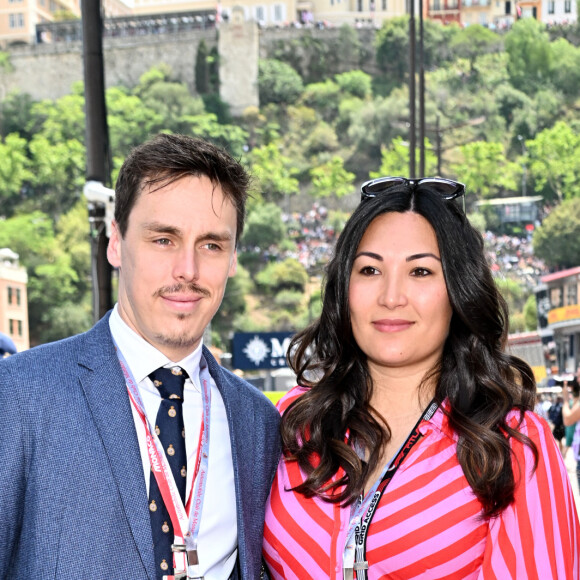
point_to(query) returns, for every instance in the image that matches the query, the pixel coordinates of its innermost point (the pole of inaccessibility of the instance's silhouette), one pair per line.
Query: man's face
(174, 262)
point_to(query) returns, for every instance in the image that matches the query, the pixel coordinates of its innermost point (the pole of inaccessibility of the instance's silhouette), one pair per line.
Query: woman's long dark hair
(480, 381)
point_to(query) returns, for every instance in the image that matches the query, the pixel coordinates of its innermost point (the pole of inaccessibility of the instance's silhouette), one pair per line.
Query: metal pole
(439, 152)
(412, 122)
(421, 95)
(97, 146)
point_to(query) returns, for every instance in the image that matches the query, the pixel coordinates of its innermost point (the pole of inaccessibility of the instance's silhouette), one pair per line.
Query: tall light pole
(98, 154)
(412, 123)
(421, 95)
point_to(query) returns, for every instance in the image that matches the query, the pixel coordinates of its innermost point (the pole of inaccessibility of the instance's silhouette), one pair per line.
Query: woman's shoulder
(290, 397)
(529, 423)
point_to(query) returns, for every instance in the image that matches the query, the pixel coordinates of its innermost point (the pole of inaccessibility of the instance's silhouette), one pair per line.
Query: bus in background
(529, 347)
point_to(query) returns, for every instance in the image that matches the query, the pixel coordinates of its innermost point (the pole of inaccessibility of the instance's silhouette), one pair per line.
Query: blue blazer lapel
(241, 426)
(104, 387)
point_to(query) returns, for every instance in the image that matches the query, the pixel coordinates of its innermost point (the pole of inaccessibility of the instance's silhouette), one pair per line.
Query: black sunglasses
(445, 188)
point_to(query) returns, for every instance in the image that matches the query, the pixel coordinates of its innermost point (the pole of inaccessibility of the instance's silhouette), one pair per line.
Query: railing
(71, 30)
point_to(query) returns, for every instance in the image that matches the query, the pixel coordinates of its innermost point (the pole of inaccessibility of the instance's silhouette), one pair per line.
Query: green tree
(322, 97)
(474, 40)
(289, 274)
(566, 67)
(531, 313)
(483, 167)
(202, 85)
(278, 82)
(395, 159)
(14, 172)
(332, 179)
(52, 279)
(557, 240)
(355, 83)
(264, 227)
(234, 303)
(554, 162)
(274, 172)
(530, 55)
(59, 174)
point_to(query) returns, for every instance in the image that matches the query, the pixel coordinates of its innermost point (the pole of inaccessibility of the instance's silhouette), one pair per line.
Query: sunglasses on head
(445, 188)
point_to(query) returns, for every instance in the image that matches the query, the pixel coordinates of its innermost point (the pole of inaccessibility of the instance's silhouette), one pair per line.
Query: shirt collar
(142, 357)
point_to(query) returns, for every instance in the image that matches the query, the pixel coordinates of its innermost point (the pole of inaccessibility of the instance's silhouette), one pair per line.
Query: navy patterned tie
(170, 430)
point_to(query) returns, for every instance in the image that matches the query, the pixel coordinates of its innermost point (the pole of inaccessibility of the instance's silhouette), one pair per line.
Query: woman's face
(399, 307)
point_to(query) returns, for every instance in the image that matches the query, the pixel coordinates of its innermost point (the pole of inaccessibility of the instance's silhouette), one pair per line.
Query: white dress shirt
(218, 533)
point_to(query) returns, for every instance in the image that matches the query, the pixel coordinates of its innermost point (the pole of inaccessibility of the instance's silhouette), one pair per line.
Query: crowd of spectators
(513, 256)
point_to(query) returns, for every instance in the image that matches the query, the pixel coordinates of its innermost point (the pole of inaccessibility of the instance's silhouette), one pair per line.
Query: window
(9, 295)
(556, 297)
(16, 20)
(551, 7)
(572, 293)
(567, 6)
(278, 12)
(359, 5)
(20, 328)
(508, 7)
(18, 297)
(260, 13)
(435, 4)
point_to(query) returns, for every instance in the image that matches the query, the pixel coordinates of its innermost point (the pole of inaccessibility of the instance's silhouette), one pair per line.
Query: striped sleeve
(538, 536)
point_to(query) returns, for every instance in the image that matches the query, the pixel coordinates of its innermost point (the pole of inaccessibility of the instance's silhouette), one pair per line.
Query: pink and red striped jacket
(428, 523)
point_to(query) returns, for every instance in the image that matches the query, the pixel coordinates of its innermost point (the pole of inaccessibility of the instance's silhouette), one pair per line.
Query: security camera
(103, 198)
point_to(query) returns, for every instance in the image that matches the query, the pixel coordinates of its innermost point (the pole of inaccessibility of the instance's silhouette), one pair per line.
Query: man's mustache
(190, 288)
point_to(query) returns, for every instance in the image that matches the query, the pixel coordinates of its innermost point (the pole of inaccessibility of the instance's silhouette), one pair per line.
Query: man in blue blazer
(80, 441)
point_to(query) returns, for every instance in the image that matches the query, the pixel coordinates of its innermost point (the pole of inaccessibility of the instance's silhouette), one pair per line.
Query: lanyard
(361, 524)
(185, 519)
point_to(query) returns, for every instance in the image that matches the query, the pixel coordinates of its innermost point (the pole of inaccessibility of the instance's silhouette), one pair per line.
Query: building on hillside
(559, 313)
(18, 18)
(286, 12)
(446, 11)
(494, 14)
(559, 11)
(13, 299)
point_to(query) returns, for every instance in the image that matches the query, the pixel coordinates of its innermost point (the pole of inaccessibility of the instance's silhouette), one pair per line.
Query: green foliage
(5, 64)
(483, 167)
(392, 48)
(472, 41)
(566, 67)
(356, 83)
(557, 240)
(202, 85)
(323, 97)
(395, 159)
(332, 178)
(512, 292)
(234, 302)
(264, 227)
(14, 171)
(287, 275)
(274, 172)
(554, 162)
(278, 82)
(16, 115)
(530, 56)
(289, 300)
(530, 313)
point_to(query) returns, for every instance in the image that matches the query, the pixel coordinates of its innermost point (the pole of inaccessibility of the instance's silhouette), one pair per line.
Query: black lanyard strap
(361, 531)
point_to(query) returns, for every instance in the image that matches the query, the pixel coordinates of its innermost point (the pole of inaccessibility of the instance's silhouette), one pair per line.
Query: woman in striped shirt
(410, 447)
